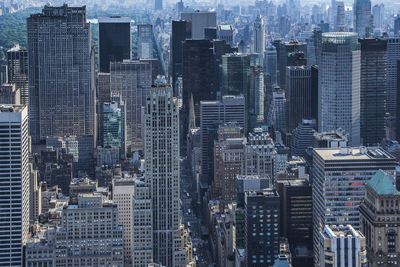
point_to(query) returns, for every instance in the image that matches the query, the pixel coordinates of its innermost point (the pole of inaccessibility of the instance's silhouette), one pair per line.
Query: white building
(277, 110)
(342, 246)
(123, 192)
(338, 176)
(339, 81)
(14, 183)
(259, 35)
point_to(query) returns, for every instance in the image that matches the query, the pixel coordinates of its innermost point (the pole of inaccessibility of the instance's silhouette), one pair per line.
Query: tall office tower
(15, 183)
(123, 195)
(259, 35)
(142, 226)
(303, 136)
(362, 18)
(296, 217)
(378, 13)
(262, 227)
(314, 43)
(342, 246)
(225, 32)
(260, 155)
(158, 4)
(301, 94)
(114, 118)
(145, 41)
(228, 158)
(284, 51)
(161, 148)
(397, 24)
(235, 76)
(378, 210)
(339, 85)
(353, 168)
(270, 63)
(393, 55)
(181, 30)
(373, 90)
(199, 21)
(3, 73)
(340, 22)
(61, 75)
(114, 40)
(17, 65)
(257, 98)
(199, 81)
(397, 133)
(332, 12)
(99, 240)
(35, 195)
(212, 114)
(277, 110)
(103, 95)
(131, 79)
(9, 94)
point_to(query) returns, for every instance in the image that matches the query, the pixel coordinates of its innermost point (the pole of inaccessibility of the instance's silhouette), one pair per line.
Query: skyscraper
(17, 63)
(339, 85)
(340, 22)
(115, 125)
(373, 90)
(257, 97)
(181, 30)
(397, 24)
(259, 35)
(270, 63)
(14, 173)
(161, 147)
(61, 73)
(381, 202)
(362, 18)
(145, 41)
(301, 94)
(236, 75)
(337, 195)
(277, 110)
(103, 95)
(131, 79)
(114, 41)
(200, 20)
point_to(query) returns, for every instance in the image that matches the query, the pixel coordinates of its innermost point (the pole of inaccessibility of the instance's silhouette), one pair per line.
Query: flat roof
(352, 153)
(114, 19)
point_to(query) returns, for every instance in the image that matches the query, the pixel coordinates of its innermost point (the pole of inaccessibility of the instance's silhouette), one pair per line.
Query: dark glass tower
(17, 62)
(114, 41)
(181, 30)
(373, 90)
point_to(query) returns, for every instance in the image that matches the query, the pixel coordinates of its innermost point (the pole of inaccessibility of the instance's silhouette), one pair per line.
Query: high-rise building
(362, 18)
(301, 94)
(262, 227)
(277, 110)
(260, 155)
(393, 55)
(225, 32)
(339, 85)
(131, 79)
(378, 13)
(99, 240)
(103, 95)
(373, 90)
(259, 35)
(115, 125)
(161, 148)
(114, 40)
(212, 114)
(284, 51)
(15, 183)
(17, 65)
(145, 41)
(270, 63)
(340, 22)
(353, 167)
(342, 246)
(123, 195)
(303, 136)
(181, 30)
(236, 75)
(257, 97)
(379, 214)
(397, 24)
(61, 73)
(200, 20)
(199, 81)
(158, 4)
(9, 94)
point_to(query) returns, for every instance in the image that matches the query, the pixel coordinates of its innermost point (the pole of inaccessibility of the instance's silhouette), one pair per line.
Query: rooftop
(352, 153)
(11, 108)
(382, 185)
